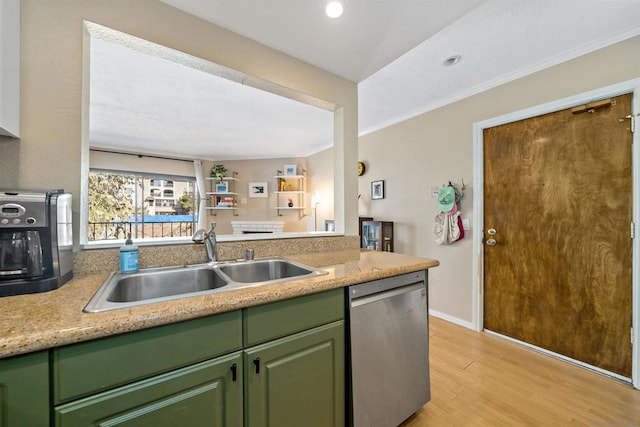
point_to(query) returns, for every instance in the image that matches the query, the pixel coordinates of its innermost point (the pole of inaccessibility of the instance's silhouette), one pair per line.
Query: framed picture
(222, 187)
(377, 190)
(258, 190)
(290, 170)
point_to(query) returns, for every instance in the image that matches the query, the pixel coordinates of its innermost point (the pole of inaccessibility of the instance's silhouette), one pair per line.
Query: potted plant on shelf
(218, 172)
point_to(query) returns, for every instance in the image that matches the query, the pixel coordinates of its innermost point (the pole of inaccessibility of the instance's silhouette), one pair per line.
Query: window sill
(106, 244)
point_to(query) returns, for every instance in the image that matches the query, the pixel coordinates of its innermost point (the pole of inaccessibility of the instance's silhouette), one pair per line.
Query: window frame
(140, 177)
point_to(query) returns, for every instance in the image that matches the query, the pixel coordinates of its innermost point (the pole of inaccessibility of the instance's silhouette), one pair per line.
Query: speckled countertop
(40, 321)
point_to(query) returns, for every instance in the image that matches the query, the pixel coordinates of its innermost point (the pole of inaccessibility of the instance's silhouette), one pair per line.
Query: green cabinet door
(202, 395)
(297, 380)
(24, 391)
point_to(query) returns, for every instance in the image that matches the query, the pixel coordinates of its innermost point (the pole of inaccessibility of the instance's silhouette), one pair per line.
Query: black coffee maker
(36, 243)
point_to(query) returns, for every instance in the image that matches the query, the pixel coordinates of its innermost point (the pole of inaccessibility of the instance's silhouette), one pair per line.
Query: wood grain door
(558, 193)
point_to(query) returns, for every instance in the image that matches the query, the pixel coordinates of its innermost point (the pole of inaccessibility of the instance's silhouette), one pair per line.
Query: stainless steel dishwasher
(389, 346)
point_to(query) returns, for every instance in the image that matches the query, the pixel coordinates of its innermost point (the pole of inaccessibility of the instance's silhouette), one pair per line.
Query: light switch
(465, 224)
(434, 191)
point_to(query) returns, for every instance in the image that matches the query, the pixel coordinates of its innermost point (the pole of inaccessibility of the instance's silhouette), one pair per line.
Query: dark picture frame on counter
(377, 190)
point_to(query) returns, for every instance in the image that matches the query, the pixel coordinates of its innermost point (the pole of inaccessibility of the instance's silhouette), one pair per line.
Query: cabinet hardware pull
(256, 362)
(234, 372)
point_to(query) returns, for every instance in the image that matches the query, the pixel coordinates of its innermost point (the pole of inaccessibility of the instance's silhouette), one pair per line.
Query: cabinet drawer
(275, 320)
(204, 394)
(86, 368)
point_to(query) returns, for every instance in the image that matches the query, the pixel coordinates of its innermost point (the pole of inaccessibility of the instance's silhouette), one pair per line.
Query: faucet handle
(198, 236)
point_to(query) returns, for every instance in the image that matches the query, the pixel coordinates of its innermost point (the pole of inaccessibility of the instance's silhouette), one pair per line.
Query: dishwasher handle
(381, 285)
(368, 299)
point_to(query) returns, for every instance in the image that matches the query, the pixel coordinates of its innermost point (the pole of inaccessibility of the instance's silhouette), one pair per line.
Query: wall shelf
(222, 196)
(290, 188)
(221, 208)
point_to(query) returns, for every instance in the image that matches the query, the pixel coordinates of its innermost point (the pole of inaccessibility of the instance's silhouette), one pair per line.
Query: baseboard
(452, 319)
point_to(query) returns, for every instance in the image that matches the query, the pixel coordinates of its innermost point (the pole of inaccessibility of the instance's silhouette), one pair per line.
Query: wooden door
(558, 193)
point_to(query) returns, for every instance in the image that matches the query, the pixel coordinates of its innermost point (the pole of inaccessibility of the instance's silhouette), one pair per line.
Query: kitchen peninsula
(220, 341)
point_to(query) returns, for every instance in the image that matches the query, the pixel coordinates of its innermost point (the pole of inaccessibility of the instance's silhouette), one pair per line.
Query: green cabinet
(24, 391)
(205, 394)
(294, 362)
(280, 364)
(298, 380)
(90, 367)
(183, 374)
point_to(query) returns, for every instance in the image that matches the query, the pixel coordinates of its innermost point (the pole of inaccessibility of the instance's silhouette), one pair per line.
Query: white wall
(54, 130)
(321, 186)
(435, 147)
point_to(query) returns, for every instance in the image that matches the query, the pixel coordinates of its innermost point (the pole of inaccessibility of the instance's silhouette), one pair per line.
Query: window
(124, 202)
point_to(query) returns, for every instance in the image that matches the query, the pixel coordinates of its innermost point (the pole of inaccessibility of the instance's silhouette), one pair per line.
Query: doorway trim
(478, 200)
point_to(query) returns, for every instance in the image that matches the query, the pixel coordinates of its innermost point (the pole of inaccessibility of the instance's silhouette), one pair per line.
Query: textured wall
(50, 151)
(435, 147)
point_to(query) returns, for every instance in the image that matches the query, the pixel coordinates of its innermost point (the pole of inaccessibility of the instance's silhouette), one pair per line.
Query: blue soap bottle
(129, 256)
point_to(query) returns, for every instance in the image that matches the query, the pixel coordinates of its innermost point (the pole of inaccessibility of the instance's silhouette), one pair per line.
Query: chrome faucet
(209, 240)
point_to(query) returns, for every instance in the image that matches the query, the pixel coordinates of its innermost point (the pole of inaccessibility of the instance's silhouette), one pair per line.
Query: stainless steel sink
(266, 270)
(123, 290)
(163, 284)
(154, 285)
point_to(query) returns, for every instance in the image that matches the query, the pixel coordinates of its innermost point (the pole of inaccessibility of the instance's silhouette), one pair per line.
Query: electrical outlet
(465, 224)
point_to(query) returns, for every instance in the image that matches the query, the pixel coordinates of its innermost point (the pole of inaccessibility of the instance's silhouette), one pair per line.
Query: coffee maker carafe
(20, 254)
(36, 245)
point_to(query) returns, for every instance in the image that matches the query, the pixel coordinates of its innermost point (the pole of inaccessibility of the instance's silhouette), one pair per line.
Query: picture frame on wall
(377, 190)
(258, 190)
(222, 187)
(290, 170)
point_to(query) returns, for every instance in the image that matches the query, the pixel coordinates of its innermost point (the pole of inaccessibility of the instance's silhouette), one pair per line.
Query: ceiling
(393, 49)
(167, 103)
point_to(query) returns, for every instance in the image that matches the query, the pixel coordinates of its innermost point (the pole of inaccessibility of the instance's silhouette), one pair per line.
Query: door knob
(491, 242)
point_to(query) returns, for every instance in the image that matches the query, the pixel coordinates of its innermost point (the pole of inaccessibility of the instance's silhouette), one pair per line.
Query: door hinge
(633, 230)
(632, 335)
(633, 124)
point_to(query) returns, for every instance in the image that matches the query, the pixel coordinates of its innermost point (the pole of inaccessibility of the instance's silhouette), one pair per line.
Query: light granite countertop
(41, 321)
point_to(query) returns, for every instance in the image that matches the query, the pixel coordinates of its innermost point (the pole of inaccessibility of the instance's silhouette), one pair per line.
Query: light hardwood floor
(480, 380)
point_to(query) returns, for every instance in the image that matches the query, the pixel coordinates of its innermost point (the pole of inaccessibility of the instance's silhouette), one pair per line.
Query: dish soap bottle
(129, 256)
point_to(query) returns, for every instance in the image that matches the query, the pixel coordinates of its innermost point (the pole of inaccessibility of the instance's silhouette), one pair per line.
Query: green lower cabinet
(24, 391)
(205, 394)
(298, 380)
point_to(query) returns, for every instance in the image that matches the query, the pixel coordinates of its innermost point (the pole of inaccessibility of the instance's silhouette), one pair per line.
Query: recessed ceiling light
(452, 60)
(334, 9)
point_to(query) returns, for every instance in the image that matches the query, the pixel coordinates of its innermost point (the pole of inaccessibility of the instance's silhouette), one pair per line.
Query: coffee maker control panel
(23, 210)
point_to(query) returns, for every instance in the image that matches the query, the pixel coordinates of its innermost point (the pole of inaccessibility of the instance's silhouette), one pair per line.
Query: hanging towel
(460, 227)
(445, 229)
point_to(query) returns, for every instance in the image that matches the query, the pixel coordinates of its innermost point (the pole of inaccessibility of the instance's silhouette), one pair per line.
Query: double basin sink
(123, 290)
